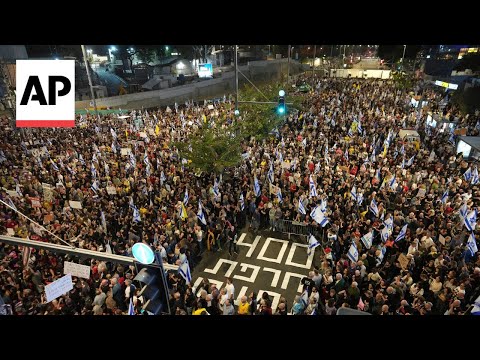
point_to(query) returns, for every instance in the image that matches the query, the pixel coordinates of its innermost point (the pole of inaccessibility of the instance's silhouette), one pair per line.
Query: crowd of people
(107, 184)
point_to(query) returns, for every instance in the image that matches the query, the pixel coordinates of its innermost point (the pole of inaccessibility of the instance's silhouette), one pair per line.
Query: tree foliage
(467, 101)
(402, 80)
(469, 61)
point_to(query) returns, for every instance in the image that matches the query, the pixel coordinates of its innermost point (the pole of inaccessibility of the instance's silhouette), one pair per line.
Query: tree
(467, 101)
(212, 148)
(402, 80)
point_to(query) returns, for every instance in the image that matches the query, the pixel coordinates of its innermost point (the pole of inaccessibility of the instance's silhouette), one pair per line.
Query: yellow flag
(157, 130)
(385, 148)
(204, 118)
(126, 133)
(183, 212)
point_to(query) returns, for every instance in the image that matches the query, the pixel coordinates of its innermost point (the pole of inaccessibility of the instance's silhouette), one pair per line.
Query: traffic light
(281, 103)
(153, 289)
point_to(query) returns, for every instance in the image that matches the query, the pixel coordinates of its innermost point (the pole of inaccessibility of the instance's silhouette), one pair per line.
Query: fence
(299, 229)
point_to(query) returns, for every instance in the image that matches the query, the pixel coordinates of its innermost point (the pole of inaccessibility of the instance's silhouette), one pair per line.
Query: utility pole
(403, 56)
(89, 80)
(10, 99)
(236, 79)
(314, 53)
(288, 66)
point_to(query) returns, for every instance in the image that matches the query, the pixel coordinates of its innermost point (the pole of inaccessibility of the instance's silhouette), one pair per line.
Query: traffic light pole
(313, 64)
(236, 78)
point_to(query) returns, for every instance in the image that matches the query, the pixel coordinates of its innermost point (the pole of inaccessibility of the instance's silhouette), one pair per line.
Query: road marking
(279, 258)
(233, 264)
(240, 294)
(276, 275)
(289, 261)
(272, 294)
(211, 281)
(243, 268)
(252, 246)
(287, 277)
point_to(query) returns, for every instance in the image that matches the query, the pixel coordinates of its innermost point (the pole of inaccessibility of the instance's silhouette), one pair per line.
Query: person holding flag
(313, 189)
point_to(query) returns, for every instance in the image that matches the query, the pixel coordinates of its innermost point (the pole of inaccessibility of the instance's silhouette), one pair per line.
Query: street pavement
(111, 81)
(266, 261)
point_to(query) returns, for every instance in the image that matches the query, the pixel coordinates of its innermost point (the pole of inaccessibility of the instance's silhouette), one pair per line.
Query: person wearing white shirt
(230, 289)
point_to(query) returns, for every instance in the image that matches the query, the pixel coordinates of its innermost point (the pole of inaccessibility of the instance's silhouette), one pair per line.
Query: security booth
(469, 146)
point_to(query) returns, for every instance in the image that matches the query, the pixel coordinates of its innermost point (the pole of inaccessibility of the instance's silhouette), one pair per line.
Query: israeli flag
(372, 158)
(270, 174)
(162, 177)
(185, 197)
(451, 139)
(131, 309)
(402, 150)
(55, 167)
(132, 160)
(410, 162)
(353, 193)
(2, 156)
(136, 215)
(359, 128)
(93, 170)
(304, 298)
(367, 240)
(359, 199)
(432, 156)
(18, 191)
(445, 196)
(200, 214)
(114, 134)
(463, 211)
(346, 154)
(385, 233)
(256, 187)
(350, 132)
(373, 207)
(301, 208)
(94, 158)
(471, 220)
(353, 252)
(377, 174)
(472, 244)
(312, 244)
(279, 196)
(114, 148)
(145, 158)
(392, 182)
(389, 223)
(107, 168)
(402, 233)
(82, 161)
(403, 163)
(313, 189)
(104, 222)
(216, 192)
(184, 270)
(319, 216)
(94, 186)
(10, 202)
(304, 142)
(475, 178)
(294, 164)
(279, 156)
(326, 149)
(323, 205)
(242, 202)
(381, 255)
(147, 170)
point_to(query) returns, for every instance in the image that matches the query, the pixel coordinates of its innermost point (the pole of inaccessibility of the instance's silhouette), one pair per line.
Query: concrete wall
(358, 73)
(256, 71)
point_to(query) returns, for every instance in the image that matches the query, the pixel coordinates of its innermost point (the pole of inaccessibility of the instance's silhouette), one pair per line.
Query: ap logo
(45, 93)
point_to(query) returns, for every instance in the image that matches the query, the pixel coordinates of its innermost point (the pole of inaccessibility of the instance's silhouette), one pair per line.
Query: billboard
(205, 71)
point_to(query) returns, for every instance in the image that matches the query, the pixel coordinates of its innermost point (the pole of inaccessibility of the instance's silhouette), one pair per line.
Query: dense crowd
(341, 156)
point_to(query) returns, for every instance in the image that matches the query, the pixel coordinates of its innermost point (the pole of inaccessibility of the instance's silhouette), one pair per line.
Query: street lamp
(403, 56)
(110, 52)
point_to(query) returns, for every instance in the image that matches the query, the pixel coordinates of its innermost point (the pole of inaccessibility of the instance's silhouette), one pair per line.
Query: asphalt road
(265, 261)
(112, 81)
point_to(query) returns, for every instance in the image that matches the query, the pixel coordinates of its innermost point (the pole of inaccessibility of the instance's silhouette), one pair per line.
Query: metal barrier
(299, 229)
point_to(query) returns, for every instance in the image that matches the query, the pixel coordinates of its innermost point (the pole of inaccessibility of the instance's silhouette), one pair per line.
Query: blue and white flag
(294, 164)
(410, 161)
(402, 233)
(313, 189)
(114, 134)
(367, 240)
(114, 148)
(216, 192)
(353, 193)
(392, 182)
(55, 167)
(402, 150)
(94, 158)
(403, 163)
(359, 199)
(94, 186)
(445, 197)
(184, 270)
(353, 252)
(2, 156)
(279, 196)
(104, 222)
(304, 142)
(242, 202)
(475, 178)
(304, 298)
(270, 174)
(200, 214)
(471, 220)
(381, 255)
(10, 202)
(18, 191)
(326, 148)
(131, 309)
(346, 154)
(451, 139)
(323, 205)
(301, 208)
(312, 244)
(93, 170)
(145, 159)
(82, 161)
(319, 216)
(256, 187)
(162, 177)
(136, 215)
(385, 233)
(185, 197)
(389, 223)
(463, 211)
(373, 207)
(472, 244)
(133, 160)
(377, 175)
